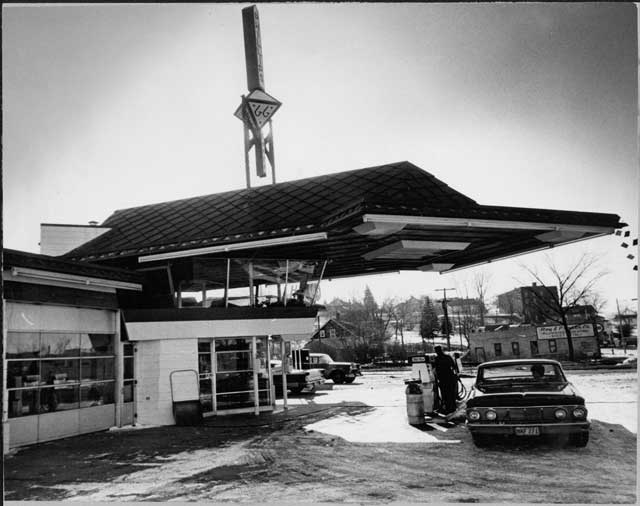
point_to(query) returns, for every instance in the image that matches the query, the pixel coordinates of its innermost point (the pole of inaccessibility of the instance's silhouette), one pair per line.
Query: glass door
(204, 375)
(242, 374)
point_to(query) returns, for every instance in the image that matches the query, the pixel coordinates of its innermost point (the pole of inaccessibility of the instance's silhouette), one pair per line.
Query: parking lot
(351, 443)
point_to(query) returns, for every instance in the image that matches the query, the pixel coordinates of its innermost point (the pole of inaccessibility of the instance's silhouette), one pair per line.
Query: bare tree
(481, 280)
(575, 285)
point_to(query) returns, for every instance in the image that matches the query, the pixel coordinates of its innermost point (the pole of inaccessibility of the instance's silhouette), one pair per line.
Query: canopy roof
(386, 218)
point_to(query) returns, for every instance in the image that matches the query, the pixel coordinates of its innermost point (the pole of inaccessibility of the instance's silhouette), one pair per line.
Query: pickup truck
(339, 372)
(297, 379)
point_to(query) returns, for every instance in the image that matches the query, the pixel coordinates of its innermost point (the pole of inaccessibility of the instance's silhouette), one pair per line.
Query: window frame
(77, 384)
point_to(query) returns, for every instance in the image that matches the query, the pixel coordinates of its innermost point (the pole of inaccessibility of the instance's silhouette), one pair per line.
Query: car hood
(530, 395)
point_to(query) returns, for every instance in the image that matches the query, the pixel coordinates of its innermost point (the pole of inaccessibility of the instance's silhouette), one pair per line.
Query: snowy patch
(383, 425)
(174, 468)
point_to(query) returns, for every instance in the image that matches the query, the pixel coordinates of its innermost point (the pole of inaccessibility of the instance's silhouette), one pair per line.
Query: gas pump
(422, 370)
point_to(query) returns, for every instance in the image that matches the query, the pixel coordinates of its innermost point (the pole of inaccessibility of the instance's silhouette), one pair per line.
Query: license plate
(527, 431)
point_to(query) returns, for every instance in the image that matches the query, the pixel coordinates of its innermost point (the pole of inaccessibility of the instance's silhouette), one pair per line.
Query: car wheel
(580, 439)
(481, 440)
(338, 377)
(349, 380)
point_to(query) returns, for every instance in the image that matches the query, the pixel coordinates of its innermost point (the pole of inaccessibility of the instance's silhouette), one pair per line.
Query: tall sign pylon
(257, 107)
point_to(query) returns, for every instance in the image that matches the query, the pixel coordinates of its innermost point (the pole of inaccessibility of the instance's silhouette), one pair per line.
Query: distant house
(332, 329)
(333, 338)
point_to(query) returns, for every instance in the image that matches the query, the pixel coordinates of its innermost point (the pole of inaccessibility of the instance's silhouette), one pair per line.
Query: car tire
(481, 440)
(349, 380)
(579, 439)
(338, 377)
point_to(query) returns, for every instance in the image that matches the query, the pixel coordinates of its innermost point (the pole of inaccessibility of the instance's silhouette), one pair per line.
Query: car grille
(524, 414)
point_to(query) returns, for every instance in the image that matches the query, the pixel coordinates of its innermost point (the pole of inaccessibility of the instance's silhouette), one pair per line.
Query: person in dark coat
(447, 380)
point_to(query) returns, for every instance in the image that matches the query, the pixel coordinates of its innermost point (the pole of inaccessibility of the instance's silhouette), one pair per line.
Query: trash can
(415, 403)
(187, 413)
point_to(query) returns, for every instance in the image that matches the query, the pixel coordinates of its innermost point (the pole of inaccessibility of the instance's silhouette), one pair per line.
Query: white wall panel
(40, 317)
(96, 418)
(155, 360)
(58, 425)
(139, 331)
(23, 431)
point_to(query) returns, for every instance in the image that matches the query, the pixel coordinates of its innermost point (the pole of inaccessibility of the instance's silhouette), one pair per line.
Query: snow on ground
(387, 423)
(384, 425)
(611, 397)
(153, 477)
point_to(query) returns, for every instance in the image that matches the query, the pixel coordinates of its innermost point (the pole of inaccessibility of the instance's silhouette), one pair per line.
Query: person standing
(447, 380)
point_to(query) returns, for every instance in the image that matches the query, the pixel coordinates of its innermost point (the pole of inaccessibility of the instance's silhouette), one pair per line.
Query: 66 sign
(259, 108)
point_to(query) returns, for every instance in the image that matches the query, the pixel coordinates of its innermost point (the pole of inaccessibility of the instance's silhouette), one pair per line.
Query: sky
(107, 107)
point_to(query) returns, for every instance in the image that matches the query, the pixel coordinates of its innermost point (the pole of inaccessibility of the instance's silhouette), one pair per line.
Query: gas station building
(222, 284)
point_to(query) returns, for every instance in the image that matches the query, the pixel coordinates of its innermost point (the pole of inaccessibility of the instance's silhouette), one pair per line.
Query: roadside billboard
(558, 332)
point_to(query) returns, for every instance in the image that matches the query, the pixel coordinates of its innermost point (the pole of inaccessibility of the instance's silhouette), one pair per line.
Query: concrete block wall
(155, 360)
(583, 347)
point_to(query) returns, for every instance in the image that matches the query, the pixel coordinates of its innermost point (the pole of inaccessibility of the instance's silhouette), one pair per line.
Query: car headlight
(491, 415)
(560, 414)
(473, 415)
(579, 413)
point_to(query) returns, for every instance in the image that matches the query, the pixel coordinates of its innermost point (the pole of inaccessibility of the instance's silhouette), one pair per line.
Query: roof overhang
(382, 222)
(27, 275)
(239, 246)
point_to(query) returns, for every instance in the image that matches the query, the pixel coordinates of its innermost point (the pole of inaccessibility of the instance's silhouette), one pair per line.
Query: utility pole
(619, 321)
(447, 330)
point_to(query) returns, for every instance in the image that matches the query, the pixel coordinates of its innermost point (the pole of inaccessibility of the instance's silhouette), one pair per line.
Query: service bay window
(49, 371)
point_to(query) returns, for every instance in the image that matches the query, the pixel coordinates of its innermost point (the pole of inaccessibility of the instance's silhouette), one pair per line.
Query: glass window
(233, 361)
(127, 349)
(515, 348)
(59, 345)
(23, 403)
(23, 344)
(128, 368)
(96, 344)
(235, 401)
(322, 333)
(553, 347)
(497, 347)
(96, 394)
(233, 344)
(58, 398)
(234, 382)
(332, 333)
(534, 347)
(23, 373)
(204, 346)
(56, 372)
(204, 364)
(97, 369)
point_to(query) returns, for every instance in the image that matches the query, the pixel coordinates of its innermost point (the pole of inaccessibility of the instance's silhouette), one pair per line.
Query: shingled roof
(304, 204)
(334, 204)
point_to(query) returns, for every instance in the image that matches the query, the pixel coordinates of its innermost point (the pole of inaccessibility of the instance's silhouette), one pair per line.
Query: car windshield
(534, 372)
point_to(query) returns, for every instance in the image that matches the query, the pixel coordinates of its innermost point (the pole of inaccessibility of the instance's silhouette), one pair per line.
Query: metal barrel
(415, 404)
